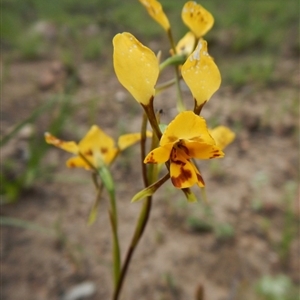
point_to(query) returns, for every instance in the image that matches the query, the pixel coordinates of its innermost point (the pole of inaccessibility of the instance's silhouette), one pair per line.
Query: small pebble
(80, 291)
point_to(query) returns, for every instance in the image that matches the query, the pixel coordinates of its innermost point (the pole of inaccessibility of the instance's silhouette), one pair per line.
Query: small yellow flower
(155, 10)
(94, 149)
(201, 74)
(136, 67)
(197, 18)
(185, 138)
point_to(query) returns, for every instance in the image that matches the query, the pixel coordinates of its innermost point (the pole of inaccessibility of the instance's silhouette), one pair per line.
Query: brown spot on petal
(71, 165)
(185, 175)
(150, 159)
(103, 150)
(172, 139)
(88, 153)
(183, 147)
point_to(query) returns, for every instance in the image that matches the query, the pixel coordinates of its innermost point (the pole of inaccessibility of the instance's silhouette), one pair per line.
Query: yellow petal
(126, 140)
(197, 18)
(200, 181)
(77, 162)
(182, 172)
(187, 126)
(201, 74)
(67, 146)
(186, 45)
(159, 155)
(155, 10)
(97, 141)
(136, 67)
(203, 150)
(222, 135)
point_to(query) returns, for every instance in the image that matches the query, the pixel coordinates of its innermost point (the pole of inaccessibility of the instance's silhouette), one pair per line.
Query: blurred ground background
(57, 76)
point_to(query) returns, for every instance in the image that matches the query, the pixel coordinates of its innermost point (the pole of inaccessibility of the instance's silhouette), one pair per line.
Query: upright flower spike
(201, 74)
(95, 148)
(197, 18)
(136, 67)
(185, 138)
(155, 10)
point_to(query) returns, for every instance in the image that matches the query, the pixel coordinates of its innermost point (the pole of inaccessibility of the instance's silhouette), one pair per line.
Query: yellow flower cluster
(137, 69)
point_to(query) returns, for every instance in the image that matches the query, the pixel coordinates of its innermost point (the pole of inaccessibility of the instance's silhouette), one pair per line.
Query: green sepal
(151, 189)
(106, 177)
(163, 127)
(190, 196)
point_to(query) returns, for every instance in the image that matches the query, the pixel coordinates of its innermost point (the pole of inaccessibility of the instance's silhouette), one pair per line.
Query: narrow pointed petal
(67, 146)
(136, 67)
(127, 140)
(155, 10)
(201, 74)
(223, 136)
(150, 190)
(78, 162)
(197, 18)
(203, 150)
(159, 155)
(200, 182)
(187, 126)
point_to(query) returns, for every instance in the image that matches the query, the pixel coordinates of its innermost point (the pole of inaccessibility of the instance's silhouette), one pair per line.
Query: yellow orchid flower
(201, 74)
(155, 10)
(136, 67)
(197, 18)
(95, 148)
(222, 135)
(185, 138)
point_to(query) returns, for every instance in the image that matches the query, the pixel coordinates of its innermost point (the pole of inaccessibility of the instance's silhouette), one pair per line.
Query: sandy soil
(246, 190)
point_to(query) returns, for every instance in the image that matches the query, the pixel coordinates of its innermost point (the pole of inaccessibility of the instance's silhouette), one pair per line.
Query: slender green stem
(108, 183)
(180, 104)
(146, 208)
(107, 180)
(143, 148)
(164, 85)
(94, 209)
(116, 248)
(174, 60)
(198, 108)
(171, 39)
(149, 110)
(141, 224)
